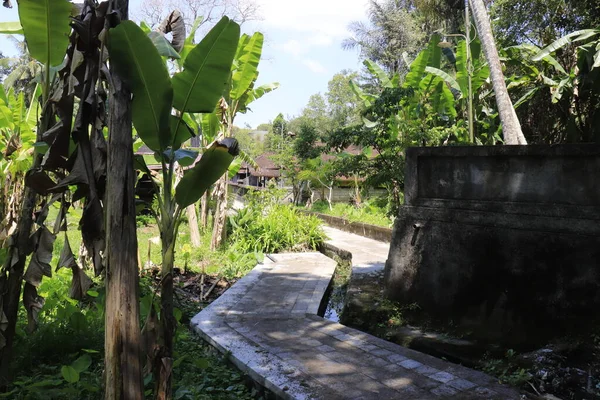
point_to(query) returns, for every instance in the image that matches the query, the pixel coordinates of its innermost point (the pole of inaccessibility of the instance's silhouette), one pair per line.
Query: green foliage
(305, 143)
(206, 69)
(212, 165)
(136, 58)
(201, 375)
(368, 212)
(506, 369)
(267, 226)
(46, 28)
(248, 57)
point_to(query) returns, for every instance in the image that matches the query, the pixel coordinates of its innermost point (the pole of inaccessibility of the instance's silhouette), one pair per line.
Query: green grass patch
(367, 213)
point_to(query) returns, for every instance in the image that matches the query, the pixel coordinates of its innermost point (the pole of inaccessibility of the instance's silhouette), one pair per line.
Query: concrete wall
(503, 240)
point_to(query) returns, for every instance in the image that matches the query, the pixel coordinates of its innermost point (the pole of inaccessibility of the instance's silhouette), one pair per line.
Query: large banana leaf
(163, 46)
(534, 50)
(565, 40)
(431, 56)
(210, 126)
(46, 29)
(206, 69)
(11, 28)
(214, 163)
(247, 69)
(188, 44)
(379, 73)
(138, 62)
(6, 119)
(254, 94)
(442, 98)
(447, 78)
(367, 99)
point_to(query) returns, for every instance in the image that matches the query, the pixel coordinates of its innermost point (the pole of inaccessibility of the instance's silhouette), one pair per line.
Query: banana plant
(17, 138)
(240, 93)
(46, 29)
(159, 105)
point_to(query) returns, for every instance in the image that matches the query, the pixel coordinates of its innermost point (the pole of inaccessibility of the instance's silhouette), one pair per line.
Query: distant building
(259, 177)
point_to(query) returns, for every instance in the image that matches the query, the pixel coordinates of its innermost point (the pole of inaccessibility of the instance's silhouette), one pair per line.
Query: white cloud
(314, 66)
(326, 18)
(297, 48)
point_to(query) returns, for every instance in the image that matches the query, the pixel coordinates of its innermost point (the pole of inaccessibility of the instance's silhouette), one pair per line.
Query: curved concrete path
(268, 326)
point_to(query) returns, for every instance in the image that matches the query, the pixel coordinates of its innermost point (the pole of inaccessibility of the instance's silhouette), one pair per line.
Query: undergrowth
(369, 212)
(267, 226)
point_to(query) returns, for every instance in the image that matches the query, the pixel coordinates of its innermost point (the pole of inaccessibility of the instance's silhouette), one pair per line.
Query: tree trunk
(220, 214)
(123, 361)
(204, 209)
(193, 224)
(163, 362)
(511, 128)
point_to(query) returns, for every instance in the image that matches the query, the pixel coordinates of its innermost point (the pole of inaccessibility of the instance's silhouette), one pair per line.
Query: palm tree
(511, 128)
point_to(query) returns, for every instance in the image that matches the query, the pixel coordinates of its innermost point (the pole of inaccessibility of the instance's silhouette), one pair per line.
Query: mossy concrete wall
(504, 241)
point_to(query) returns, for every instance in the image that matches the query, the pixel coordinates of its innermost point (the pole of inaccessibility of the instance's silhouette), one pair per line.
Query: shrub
(266, 226)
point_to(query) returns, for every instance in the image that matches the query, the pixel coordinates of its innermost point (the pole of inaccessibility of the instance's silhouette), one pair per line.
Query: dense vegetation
(88, 83)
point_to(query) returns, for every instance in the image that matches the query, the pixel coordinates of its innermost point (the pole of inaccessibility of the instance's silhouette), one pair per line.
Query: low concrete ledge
(367, 230)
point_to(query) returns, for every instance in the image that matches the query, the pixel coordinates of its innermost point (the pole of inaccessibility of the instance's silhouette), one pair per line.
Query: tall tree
(122, 348)
(511, 128)
(342, 103)
(200, 12)
(392, 29)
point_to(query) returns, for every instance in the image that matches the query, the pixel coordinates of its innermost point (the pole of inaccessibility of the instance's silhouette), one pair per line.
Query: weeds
(367, 212)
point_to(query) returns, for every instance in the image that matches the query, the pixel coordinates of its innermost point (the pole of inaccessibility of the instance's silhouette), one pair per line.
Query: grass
(63, 358)
(367, 213)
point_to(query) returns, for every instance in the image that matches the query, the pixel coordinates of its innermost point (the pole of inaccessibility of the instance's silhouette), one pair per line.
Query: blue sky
(302, 50)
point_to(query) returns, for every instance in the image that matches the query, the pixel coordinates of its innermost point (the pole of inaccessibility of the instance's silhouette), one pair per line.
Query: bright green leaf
(46, 29)
(11, 28)
(379, 73)
(247, 69)
(82, 363)
(137, 60)
(69, 374)
(213, 164)
(210, 126)
(206, 69)
(565, 40)
(443, 75)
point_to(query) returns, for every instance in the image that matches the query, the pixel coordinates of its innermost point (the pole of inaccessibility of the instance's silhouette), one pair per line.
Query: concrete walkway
(267, 323)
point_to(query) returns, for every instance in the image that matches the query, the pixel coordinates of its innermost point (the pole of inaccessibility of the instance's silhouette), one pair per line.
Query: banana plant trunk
(219, 229)
(193, 225)
(163, 362)
(123, 342)
(204, 209)
(511, 128)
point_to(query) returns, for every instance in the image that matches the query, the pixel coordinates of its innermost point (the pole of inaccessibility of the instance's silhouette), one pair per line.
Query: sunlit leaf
(69, 374)
(137, 60)
(46, 29)
(214, 163)
(206, 69)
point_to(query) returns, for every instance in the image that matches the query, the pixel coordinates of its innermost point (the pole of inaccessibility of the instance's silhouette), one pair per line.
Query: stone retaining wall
(502, 240)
